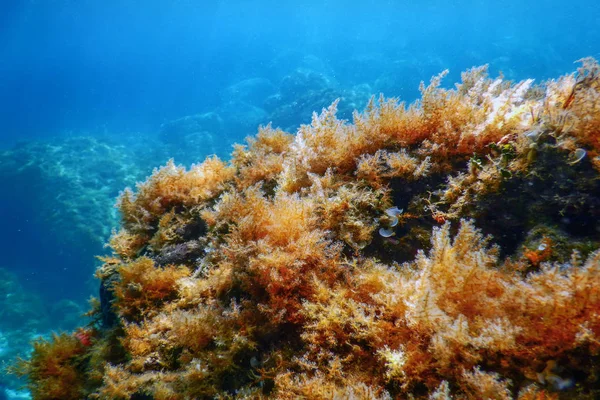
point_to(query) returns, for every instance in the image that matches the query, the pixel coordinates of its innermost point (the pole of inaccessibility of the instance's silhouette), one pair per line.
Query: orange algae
(542, 253)
(266, 277)
(53, 371)
(143, 287)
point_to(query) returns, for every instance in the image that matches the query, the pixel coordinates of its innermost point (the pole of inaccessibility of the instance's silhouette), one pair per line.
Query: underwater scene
(299, 199)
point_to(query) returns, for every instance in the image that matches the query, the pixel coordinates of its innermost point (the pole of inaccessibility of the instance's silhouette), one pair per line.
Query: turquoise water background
(130, 65)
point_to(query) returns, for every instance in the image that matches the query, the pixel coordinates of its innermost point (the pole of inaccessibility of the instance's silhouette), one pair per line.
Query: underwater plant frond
(172, 186)
(142, 287)
(51, 370)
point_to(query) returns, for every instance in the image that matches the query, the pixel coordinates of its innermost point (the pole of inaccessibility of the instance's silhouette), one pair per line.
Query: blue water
(124, 65)
(94, 94)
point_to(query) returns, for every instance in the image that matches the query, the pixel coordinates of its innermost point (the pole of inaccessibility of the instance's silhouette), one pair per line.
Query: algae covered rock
(432, 250)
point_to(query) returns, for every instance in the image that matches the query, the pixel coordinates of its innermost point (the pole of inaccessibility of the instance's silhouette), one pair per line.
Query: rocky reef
(251, 102)
(444, 249)
(59, 201)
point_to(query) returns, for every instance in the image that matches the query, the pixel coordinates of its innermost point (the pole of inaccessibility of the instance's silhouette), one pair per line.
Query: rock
(242, 119)
(253, 91)
(179, 253)
(180, 131)
(301, 81)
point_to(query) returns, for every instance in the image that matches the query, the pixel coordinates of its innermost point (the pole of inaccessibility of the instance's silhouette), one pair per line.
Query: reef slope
(443, 248)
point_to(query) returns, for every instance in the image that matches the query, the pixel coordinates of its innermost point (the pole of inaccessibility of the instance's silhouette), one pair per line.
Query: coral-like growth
(572, 106)
(53, 370)
(446, 249)
(170, 187)
(143, 287)
(262, 161)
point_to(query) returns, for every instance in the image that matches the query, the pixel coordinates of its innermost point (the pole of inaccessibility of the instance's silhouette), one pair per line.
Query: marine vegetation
(449, 248)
